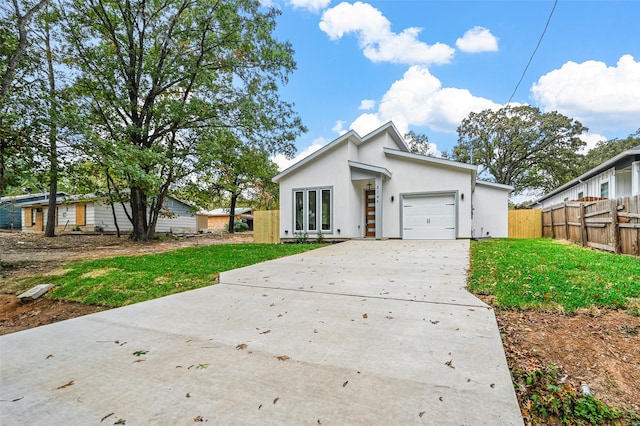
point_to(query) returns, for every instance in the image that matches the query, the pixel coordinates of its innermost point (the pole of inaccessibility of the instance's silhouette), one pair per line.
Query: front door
(370, 215)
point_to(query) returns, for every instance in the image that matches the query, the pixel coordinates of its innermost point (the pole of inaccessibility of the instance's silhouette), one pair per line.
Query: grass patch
(550, 276)
(120, 281)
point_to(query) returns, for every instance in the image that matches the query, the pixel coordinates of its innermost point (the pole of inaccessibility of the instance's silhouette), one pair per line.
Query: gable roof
(621, 159)
(354, 137)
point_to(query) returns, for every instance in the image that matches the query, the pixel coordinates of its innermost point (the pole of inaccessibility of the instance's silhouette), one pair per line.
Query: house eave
(591, 173)
(368, 168)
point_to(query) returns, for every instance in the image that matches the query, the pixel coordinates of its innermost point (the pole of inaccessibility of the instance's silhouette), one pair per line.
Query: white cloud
(284, 162)
(418, 99)
(600, 97)
(367, 104)
(339, 127)
(311, 5)
(591, 139)
(378, 42)
(477, 39)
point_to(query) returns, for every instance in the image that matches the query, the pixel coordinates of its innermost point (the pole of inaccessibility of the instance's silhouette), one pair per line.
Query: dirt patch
(599, 349)
(16, 315)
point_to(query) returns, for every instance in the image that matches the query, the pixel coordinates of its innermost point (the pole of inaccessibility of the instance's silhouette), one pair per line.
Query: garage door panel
(429, 217)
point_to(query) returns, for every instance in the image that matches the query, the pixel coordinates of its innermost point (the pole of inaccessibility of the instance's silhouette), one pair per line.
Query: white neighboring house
(616, 178)
(91, 213)
(373, 187)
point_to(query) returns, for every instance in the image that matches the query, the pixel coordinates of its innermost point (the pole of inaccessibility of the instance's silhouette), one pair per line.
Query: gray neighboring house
(91, 213)
(616, 178)
(11, 208)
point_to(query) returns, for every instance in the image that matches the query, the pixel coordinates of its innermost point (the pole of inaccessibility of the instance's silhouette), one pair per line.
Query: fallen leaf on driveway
(266, 332)
(69, 383)
(449, 363)
(107, 416)
(365, 316)
(241, 346)
(283, 357)
(276, 400)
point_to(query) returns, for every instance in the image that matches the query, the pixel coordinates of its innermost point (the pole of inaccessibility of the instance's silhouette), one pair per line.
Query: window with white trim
(604, 190)
(313, 210)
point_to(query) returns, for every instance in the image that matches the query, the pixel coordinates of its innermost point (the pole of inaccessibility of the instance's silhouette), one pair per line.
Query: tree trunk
(139, 215)
(232, 212)
(50, 230)
(113, 207)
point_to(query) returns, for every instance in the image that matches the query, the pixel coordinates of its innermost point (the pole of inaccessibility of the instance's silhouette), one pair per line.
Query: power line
(534, 52)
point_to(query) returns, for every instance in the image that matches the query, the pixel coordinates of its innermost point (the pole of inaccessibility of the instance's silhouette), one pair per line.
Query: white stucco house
(616, 178)
(373, 187)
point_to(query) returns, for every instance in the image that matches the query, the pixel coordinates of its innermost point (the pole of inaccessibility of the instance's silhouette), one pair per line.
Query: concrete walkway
(358, 333)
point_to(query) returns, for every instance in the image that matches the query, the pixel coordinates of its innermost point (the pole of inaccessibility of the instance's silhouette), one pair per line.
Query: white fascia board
(311, 157)
(495, 185)
(432, 160)
(391, 129)
(370, 168)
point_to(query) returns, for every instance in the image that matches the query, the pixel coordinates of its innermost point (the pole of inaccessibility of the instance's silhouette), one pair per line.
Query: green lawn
(122, 281)
(551, 276)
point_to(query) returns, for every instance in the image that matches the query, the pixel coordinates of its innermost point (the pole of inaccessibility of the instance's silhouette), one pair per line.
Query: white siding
(490, 211)
(101, 215)
(590, 188)
(66, 215)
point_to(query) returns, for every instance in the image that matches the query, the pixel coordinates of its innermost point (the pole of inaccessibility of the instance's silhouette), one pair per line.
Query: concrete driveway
(362, 332)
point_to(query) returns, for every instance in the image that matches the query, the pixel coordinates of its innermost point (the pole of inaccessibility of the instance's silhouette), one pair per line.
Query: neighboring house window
(312, 209)
(580, 195)
(566, 199)
(604, 190)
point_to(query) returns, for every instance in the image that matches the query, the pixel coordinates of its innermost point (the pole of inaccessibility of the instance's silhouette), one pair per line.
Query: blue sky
(426, 64)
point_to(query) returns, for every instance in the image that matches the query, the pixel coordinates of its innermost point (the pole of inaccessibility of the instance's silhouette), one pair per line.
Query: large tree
(16, 66)
(605, 150)
(521, 146)
(159, 77)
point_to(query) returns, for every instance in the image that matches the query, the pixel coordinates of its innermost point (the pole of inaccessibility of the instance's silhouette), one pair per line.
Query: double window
(313, 210)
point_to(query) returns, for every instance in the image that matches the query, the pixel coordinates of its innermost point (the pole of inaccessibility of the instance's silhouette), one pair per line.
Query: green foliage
(547, 275)
(418, 143)
(301, 237)
(606, 150)
(239, 226)
(522, 147)
(122, 281)
(162, 93)
(542, 394)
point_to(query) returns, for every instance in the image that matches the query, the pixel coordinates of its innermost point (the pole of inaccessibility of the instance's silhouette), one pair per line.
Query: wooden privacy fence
(612, 225)
(525, 224)
(266, 227)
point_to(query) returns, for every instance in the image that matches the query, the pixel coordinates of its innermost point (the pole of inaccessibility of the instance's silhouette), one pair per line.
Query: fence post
(583, 225)
(616, 227)
(566, 222)
(553, 231)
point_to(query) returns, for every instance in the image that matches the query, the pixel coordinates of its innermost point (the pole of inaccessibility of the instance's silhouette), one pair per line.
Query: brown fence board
(525, 224)
(612, 225)
(266, 227)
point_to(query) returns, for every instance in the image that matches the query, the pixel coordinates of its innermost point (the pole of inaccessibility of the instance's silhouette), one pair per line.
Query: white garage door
(429, 217)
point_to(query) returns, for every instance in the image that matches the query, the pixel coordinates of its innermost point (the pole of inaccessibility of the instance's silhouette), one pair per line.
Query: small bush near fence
(612, 225)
